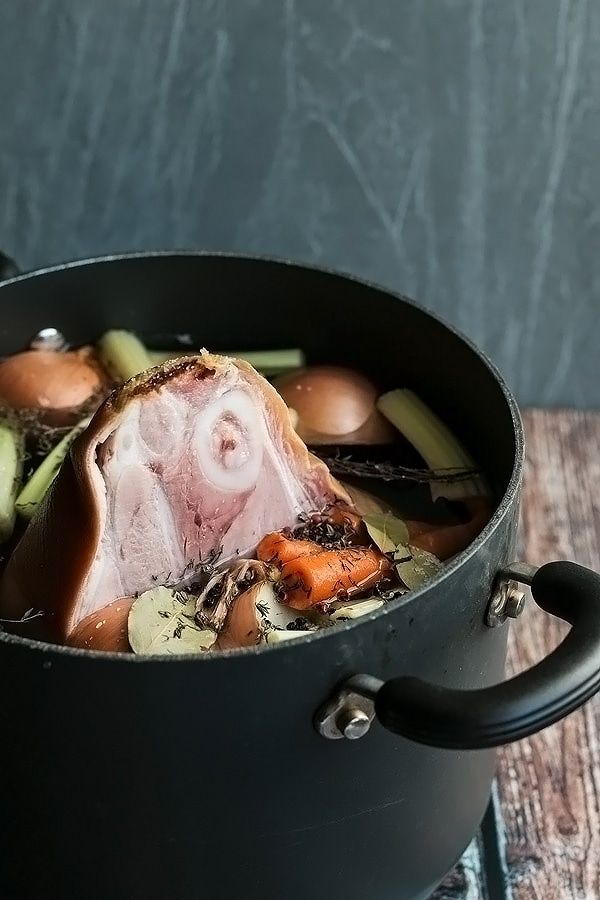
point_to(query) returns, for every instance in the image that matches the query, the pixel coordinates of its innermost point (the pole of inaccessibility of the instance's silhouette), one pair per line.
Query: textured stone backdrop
(447, 148)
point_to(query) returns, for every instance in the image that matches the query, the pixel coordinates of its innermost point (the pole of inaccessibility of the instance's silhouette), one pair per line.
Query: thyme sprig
(388, 471)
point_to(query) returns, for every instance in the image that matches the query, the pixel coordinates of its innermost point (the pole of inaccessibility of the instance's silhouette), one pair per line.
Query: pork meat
(185, 467)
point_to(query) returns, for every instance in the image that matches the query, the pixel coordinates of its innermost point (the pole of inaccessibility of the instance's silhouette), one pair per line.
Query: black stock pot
(132, 778)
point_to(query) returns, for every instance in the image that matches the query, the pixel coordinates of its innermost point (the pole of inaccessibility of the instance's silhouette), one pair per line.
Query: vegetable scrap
(163, 622)
(327, 575)
(54, 388)
(37, 485)
(12, 454)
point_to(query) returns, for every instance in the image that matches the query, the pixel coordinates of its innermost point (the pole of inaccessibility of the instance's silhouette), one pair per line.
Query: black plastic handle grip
(8, 267)
(527, 703)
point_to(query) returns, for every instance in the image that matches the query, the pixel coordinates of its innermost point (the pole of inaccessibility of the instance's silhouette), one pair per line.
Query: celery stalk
(268, 362)
(271, 362)
(12, 452)
(433, 440)
(159, 357)
(35, 489)
(123, 354)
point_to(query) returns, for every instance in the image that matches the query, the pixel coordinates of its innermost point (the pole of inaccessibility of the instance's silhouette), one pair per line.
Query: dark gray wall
(448, 148)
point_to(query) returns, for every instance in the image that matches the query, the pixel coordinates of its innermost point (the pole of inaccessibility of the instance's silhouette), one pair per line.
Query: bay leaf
(386, 530)
(161, 622)
(415, 566)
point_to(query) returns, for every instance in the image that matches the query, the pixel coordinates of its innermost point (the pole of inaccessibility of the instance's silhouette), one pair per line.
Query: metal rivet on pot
(350, 710)
(515, 602)
(508, 602)
(353, 723)
(48, 339)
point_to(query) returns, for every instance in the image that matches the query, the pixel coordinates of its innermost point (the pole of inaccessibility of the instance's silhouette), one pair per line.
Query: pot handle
(488, 717)
(8, 267)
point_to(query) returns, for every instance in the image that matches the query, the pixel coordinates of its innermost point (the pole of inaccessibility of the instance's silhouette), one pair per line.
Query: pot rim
(325, 634)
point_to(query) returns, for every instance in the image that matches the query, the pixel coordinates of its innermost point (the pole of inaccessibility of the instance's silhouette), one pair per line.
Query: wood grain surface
(546, 803)
(467, 881)
(549, 785)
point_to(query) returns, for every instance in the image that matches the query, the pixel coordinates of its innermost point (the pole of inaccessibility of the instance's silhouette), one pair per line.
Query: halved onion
(334, 405)
(57, 388)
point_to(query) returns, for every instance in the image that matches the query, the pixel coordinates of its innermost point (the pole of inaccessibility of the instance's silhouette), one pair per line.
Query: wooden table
(541, 836)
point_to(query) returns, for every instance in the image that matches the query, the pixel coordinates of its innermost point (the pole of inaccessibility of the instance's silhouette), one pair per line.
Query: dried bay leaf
(161, 622)
(415, 566)
(386, 530)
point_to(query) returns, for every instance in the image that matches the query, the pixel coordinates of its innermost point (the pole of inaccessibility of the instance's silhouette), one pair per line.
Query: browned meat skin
(189, 462)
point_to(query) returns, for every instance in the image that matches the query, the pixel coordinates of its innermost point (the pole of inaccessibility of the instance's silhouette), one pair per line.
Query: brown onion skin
(58, 386)
(243, 625)
(105, 629)
(334, 405)
(59, 558)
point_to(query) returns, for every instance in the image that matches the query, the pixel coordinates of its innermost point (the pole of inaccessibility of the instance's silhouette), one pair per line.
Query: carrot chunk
(330, 574)
(276, 547)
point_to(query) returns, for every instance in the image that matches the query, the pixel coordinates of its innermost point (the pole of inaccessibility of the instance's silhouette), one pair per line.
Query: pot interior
(229, 303)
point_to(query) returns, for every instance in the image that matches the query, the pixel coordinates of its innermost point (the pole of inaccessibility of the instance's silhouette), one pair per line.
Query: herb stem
(387, 471)
(433, 440)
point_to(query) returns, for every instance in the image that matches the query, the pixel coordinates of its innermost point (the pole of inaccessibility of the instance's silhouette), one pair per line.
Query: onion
(57, 386)
(253, 615)
(105, 629)
(334, 405)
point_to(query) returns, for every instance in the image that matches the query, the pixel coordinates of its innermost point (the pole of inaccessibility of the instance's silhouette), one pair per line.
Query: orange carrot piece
(325, 576)
(276, 547)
